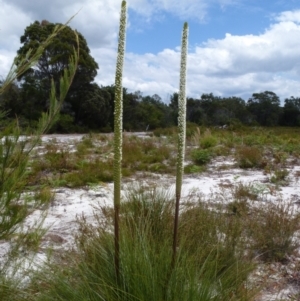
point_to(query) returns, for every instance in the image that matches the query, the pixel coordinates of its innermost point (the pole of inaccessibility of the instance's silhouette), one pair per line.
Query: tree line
(89, 106)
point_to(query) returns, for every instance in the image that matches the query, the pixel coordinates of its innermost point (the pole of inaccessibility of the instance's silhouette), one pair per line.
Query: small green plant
(280, 177)
(44, 195)
(201, 156)
(192, 168)
(208, 140)
(85, 145)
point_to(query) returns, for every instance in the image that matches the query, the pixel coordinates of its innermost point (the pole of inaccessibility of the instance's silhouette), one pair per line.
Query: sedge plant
(181, 132)
(118, 128)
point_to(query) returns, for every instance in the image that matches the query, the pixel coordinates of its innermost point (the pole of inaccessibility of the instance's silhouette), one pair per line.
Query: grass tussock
(273, 231)
(249, 157)
(209, 265)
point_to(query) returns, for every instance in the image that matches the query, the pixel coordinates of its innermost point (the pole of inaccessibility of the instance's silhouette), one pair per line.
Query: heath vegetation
(152, 244)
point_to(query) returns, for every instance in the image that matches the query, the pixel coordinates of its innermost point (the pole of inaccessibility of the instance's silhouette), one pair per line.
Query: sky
(236, 47)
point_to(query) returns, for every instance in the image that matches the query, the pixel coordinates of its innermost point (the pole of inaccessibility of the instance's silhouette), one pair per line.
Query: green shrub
(201, 156)
(208, 141)
(191, 168)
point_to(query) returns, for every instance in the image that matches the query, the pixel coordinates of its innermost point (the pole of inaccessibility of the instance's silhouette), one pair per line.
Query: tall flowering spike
(118, 128)
(181, 130)
(182, 111)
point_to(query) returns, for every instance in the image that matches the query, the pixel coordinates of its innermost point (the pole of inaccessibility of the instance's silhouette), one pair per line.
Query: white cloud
(12, 24)
(276, 50)
(234, 65)
(96, 20)
(187, 9)
(289, 16)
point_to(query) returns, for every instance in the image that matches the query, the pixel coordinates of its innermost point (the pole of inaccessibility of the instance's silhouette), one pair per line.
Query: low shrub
(208, 141)
(192, 168)
(249, 157)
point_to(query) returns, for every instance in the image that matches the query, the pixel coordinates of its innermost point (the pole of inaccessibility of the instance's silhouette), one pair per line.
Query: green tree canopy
(291, 112)
(265, 107)
(36, 82)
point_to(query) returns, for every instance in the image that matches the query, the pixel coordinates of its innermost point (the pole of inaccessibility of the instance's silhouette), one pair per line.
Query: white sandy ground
(214, 184)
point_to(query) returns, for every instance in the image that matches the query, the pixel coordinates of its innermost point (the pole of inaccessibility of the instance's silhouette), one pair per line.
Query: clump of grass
(89, 172)
(244, 192)
(195, 137)
(280, 177)
(249, 157)
(85, 145)
(231, 140)
(44, 195)
(208, 140)
(221, 150)
(31, 240)
(55, 159)
(147, 155)
(272, 232)
(192, 168)
(208, 265)
(167, 132)
(280, 157)
(238, 207)
(251, 140)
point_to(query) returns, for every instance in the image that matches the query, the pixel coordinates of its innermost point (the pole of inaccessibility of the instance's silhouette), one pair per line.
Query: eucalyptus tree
(265, 107)
(36, 81)
(291, 112)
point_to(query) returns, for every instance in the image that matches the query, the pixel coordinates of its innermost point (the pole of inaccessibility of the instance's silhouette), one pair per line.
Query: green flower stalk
(118, 128)
(181, 131)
